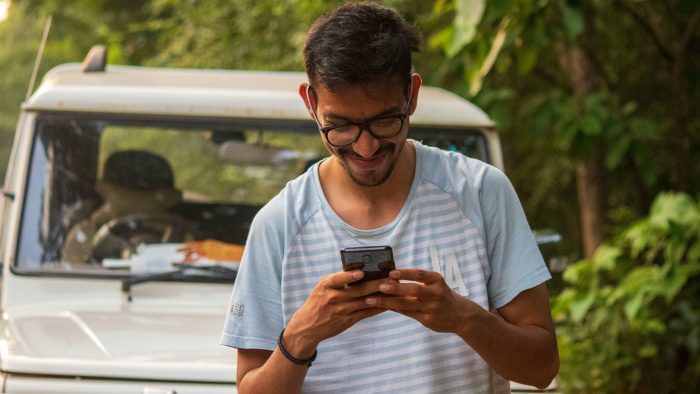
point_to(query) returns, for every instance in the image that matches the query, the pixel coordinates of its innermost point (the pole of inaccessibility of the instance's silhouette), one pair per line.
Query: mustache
(348, 152)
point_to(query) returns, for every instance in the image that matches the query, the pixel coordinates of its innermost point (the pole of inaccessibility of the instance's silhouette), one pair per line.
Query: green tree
(612, 87)
(72, 32)
(16, 57)
(629, 320)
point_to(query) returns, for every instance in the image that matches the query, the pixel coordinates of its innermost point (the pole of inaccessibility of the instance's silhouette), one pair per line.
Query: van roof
(213, 93)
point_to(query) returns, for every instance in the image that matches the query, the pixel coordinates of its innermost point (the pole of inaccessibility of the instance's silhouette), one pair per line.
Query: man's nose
(366, 146)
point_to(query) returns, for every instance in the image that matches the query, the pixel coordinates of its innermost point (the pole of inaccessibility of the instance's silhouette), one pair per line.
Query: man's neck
(369, 207)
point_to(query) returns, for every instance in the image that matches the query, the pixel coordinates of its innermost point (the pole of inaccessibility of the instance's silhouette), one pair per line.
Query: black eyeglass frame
(364, 125)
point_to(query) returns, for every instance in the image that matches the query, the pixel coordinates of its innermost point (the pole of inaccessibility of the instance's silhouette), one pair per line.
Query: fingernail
(384, 287)
(395, 275)
(371, 300)
(357, 274)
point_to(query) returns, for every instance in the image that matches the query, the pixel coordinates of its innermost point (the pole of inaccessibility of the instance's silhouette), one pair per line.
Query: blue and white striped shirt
(462, 218)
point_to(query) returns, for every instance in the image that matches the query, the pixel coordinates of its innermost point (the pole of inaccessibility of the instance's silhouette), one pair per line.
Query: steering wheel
(119, 237)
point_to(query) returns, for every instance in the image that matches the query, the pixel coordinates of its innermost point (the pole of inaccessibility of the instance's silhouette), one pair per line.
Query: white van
(113, 170)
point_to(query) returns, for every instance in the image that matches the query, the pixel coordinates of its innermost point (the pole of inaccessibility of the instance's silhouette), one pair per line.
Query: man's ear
(416, 82)
(308, 97)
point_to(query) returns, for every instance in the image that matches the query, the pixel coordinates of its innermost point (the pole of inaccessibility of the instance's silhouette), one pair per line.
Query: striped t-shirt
(462, 218)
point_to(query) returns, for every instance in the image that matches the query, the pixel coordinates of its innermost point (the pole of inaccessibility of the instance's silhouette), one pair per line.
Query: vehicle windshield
(117, 196)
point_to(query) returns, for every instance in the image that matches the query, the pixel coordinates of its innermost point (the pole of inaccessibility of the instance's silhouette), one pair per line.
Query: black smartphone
(376, 261)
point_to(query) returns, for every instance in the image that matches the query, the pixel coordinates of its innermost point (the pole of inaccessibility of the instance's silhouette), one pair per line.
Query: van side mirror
(549, 242)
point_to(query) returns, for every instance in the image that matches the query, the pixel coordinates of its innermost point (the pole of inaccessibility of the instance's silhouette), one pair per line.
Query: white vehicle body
(65, 330)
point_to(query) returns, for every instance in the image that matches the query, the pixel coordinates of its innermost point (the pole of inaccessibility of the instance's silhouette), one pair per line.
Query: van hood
(151, 343)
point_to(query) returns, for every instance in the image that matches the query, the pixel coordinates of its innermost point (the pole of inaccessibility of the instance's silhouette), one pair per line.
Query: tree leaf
(632, 306)
(605, 258)
(468, 14)
(616, 151)
(573, 20)
(648, 350)
(591, 125)
(442, 38)
(579, 308)
(527, 58)
(668, 207)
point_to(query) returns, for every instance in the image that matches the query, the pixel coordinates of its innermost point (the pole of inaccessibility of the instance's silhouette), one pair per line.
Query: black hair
(359, 43)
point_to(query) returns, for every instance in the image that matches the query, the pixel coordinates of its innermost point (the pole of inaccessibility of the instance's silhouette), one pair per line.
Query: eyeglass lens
(381, 128)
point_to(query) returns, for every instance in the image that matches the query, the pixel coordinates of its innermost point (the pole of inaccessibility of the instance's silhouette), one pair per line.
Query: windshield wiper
(128, 283)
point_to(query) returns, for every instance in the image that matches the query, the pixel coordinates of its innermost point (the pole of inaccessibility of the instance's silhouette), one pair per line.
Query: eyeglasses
(382, 127)
(385, 126)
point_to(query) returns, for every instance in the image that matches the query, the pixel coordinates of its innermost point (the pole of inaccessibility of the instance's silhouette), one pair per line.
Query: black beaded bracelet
(291, 358)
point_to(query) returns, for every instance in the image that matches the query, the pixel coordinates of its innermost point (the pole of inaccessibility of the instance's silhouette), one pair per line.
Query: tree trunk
(589, 184)
(590, 172)
(679, 130)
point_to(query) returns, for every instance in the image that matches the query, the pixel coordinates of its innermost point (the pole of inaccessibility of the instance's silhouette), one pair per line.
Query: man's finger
(402, 289)
(340, 279)
(366, 288)
(393, 303)
(416, 275)
(365, 313)
(355, 305)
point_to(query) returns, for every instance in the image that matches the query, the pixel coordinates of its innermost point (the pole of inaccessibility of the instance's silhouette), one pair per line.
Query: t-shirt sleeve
(515, 260)
(254, 319)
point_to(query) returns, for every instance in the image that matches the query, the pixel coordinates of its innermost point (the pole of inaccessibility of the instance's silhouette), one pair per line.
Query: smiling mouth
(369, 163)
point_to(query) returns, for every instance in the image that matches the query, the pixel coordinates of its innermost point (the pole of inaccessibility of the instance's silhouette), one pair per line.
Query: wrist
(475, 320)
(298, 344)
(306, 361)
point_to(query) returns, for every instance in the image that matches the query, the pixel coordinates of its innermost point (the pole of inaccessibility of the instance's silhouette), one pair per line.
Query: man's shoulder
(454, 172)
(291, 207)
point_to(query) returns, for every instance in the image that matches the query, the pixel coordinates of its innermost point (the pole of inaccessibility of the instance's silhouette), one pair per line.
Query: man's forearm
(331, 308)
(526, 354)
(276, 375)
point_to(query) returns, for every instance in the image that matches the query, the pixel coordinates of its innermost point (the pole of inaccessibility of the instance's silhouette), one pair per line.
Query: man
(443, 214)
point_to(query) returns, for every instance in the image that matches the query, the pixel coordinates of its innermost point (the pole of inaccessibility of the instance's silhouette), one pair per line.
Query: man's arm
(519, 343)
(263, 371)
(331, 308)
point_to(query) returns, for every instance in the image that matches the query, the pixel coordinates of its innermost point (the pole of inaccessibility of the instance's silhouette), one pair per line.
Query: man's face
(368, 161)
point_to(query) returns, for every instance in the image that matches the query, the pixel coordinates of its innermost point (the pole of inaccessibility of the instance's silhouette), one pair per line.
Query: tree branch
(545, 75)
(588, 41)
(651, 29)
(690, 30)
(599, 68)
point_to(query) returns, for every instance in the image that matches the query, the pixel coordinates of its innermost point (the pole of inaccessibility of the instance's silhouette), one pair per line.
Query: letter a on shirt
(451, 271)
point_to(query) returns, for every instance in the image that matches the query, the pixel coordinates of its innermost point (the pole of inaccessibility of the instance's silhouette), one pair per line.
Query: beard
(376, 176)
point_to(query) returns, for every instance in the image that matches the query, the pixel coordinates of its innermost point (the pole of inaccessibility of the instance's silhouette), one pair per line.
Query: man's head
(359, 44)
(358, 60)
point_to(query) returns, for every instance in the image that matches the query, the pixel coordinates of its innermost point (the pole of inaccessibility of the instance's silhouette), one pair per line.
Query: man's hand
(331, 308)
(518, 342)
(427, 299)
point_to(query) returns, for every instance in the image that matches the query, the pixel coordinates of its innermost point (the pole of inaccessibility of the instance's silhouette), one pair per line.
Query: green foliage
(639, 115)
(629, 320)
(16, 56)
(72, 33)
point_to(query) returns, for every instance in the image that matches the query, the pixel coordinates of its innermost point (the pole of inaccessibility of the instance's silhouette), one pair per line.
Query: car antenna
(40, 53)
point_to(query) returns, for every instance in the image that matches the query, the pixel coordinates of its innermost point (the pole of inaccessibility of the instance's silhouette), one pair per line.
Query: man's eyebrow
(332, 116)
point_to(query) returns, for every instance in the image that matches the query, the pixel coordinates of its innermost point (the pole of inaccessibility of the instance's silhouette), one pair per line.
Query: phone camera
(366, 259)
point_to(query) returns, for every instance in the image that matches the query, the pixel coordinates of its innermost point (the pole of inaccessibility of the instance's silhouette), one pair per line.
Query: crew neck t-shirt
(462, 218)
